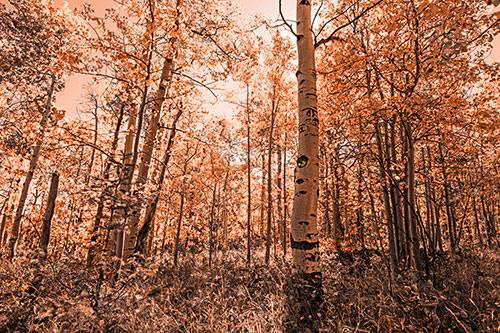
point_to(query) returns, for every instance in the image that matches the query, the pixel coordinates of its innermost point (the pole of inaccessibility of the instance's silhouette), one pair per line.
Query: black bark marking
(300, 181)
(311, 112)
(302, 161)
(304, 245)
(311, 235)
(313, 215)
(305, 2)
(302, 192)
(303, 128)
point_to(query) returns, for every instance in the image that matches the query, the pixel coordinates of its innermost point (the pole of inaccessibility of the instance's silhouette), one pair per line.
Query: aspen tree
(304, 227)
(147, 151)
(16, 226)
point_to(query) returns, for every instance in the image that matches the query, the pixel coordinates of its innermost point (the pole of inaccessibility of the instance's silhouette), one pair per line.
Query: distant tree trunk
(307, 293)
(211, 229)
(249, 180)
(49, 212)
(269, 181)
(335, 191)
(396, 196)
(2, 226)
(476, 219)
(359, 210)
(151, 210)
(224, 207)
(285, 203)
(102, 197)
(278, 195)
(263, 195)
(387, 203)
(178, 233)
(327, 226)
(6, 219)
(428, 204)
(6, 211)
(415, 244)
(450, 210)
(94, 144)
(16, 226)
(489, 219)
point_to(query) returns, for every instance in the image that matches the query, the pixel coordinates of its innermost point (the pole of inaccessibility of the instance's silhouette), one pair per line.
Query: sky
(67, 99)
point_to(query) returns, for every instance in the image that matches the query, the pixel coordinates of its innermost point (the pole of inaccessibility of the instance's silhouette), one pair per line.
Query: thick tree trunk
(16, 225)
(308, 293)
(49, 212)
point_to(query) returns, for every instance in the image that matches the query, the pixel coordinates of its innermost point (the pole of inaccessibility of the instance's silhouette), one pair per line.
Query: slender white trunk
(16, 226)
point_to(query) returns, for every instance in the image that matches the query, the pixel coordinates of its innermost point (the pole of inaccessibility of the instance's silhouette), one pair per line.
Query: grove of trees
(337, 172)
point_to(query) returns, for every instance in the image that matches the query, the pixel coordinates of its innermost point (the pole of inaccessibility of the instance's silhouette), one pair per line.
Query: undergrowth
(462, 295)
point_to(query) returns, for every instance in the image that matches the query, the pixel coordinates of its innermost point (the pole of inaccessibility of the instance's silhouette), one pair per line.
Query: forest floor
(462, 294)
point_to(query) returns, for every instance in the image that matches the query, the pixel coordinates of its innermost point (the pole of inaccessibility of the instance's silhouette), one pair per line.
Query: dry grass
(63, 296)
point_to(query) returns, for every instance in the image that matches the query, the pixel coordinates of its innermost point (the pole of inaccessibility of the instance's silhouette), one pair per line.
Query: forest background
(199, 186)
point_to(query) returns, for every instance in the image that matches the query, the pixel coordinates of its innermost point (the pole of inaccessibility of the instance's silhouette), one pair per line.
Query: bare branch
(286, 22)
(357, 17)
